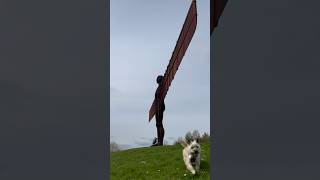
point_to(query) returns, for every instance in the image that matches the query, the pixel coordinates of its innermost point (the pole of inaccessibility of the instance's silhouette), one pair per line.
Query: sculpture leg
(160, 132)
(160, 129)
(161, 136)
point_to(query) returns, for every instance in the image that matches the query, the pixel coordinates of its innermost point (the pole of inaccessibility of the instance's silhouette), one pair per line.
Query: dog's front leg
(198, 163)
(190, 167)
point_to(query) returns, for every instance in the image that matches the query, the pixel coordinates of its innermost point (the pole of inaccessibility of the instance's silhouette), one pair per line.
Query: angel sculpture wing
(183, 42)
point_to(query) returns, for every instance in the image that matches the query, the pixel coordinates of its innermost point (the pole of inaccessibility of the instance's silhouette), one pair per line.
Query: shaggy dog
(191, 155)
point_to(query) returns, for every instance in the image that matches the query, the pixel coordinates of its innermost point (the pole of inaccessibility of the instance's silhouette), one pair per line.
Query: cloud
(124, 146)
(143, 143)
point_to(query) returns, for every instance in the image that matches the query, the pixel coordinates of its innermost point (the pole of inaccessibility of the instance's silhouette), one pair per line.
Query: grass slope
(156, 163)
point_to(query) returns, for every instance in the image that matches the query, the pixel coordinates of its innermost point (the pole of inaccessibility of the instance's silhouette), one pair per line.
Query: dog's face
(194, 151)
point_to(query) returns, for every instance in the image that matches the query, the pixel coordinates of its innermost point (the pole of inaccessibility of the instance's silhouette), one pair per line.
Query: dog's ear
(183, 143)
(197, 140)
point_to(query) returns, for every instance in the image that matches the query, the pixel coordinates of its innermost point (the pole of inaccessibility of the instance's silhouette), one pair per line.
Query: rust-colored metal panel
(183, 42)
(152, 110)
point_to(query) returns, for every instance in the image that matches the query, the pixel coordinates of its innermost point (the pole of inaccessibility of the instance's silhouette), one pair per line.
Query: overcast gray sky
(142, 37)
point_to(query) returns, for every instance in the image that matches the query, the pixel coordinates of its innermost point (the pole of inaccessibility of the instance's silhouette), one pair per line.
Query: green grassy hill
(156, 163)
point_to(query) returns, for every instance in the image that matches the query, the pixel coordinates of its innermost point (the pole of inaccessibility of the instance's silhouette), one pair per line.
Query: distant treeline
(194, 135)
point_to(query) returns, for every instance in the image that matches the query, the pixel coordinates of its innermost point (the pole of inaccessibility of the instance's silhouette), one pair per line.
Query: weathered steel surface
(183, 42)
(216, 8)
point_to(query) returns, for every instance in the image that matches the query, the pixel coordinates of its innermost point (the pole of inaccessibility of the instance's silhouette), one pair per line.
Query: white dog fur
(191, 155)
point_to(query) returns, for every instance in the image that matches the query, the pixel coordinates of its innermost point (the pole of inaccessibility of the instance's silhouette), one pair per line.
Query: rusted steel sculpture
(164, 81)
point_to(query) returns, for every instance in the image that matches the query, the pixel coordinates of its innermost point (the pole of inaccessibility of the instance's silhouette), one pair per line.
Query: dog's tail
(183, 143)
